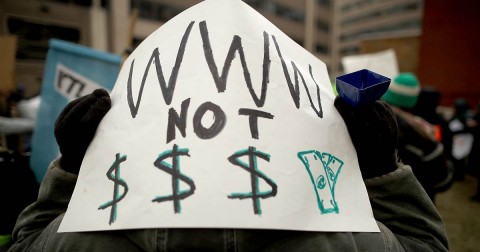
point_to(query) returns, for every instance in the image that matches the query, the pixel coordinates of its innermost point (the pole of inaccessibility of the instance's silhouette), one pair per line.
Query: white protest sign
(219, 120)
(383, 62)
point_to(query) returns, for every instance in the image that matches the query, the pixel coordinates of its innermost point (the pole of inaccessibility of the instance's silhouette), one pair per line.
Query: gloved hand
(374, 132)
(76, 126)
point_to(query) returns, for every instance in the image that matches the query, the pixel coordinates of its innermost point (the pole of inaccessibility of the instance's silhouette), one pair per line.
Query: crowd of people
(17, 182)
(440, 143)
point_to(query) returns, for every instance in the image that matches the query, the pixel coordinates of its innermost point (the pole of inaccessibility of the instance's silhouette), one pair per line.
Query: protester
(426, 107)
(19, 189)
(17, 182)
(25, 120)
(461, 125)
(417, 144)
(407, 219)
(474, 156)
(20, 121)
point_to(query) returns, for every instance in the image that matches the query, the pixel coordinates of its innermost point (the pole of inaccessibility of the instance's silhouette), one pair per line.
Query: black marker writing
(221, 79)
(113, 174)
(203, 132)
(174, 170)
(72, 83)
(175, 120)
(294, 90)
(253, 116)
(167, 91)
(252, 168)
(319, 112)
(236, 45)
(217, 126)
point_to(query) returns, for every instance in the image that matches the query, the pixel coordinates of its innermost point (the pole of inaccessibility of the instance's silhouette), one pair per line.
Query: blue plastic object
(361, 87)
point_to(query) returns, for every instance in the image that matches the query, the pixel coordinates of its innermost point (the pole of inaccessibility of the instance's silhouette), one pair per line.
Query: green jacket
(407, 219)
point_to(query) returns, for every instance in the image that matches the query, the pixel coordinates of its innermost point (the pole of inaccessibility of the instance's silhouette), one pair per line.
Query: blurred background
(437, 41)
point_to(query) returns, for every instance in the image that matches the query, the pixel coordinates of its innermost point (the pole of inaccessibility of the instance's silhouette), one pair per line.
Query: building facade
(329, 29)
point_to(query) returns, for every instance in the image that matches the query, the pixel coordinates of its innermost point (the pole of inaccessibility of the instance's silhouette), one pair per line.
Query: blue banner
(71, 71)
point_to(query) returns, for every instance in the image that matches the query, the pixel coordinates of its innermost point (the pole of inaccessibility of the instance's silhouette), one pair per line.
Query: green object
(334, 87)
(403, 91)
(5, 239)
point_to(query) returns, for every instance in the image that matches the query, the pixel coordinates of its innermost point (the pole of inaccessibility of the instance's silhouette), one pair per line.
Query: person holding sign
(407, 219)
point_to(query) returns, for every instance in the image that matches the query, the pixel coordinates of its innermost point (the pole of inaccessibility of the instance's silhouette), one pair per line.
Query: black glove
(76, 126)
(374, 132)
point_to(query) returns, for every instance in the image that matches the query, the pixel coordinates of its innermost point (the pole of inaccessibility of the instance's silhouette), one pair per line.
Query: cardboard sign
(219, 120)
(71, 71)
(8, 44)
(383, 62)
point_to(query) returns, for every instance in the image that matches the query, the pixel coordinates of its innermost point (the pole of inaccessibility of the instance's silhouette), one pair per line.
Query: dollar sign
(174, 170)
(251, 167)
(113, 174)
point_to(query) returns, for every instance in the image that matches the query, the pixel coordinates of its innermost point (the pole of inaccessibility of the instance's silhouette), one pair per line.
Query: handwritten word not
(179, 121)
